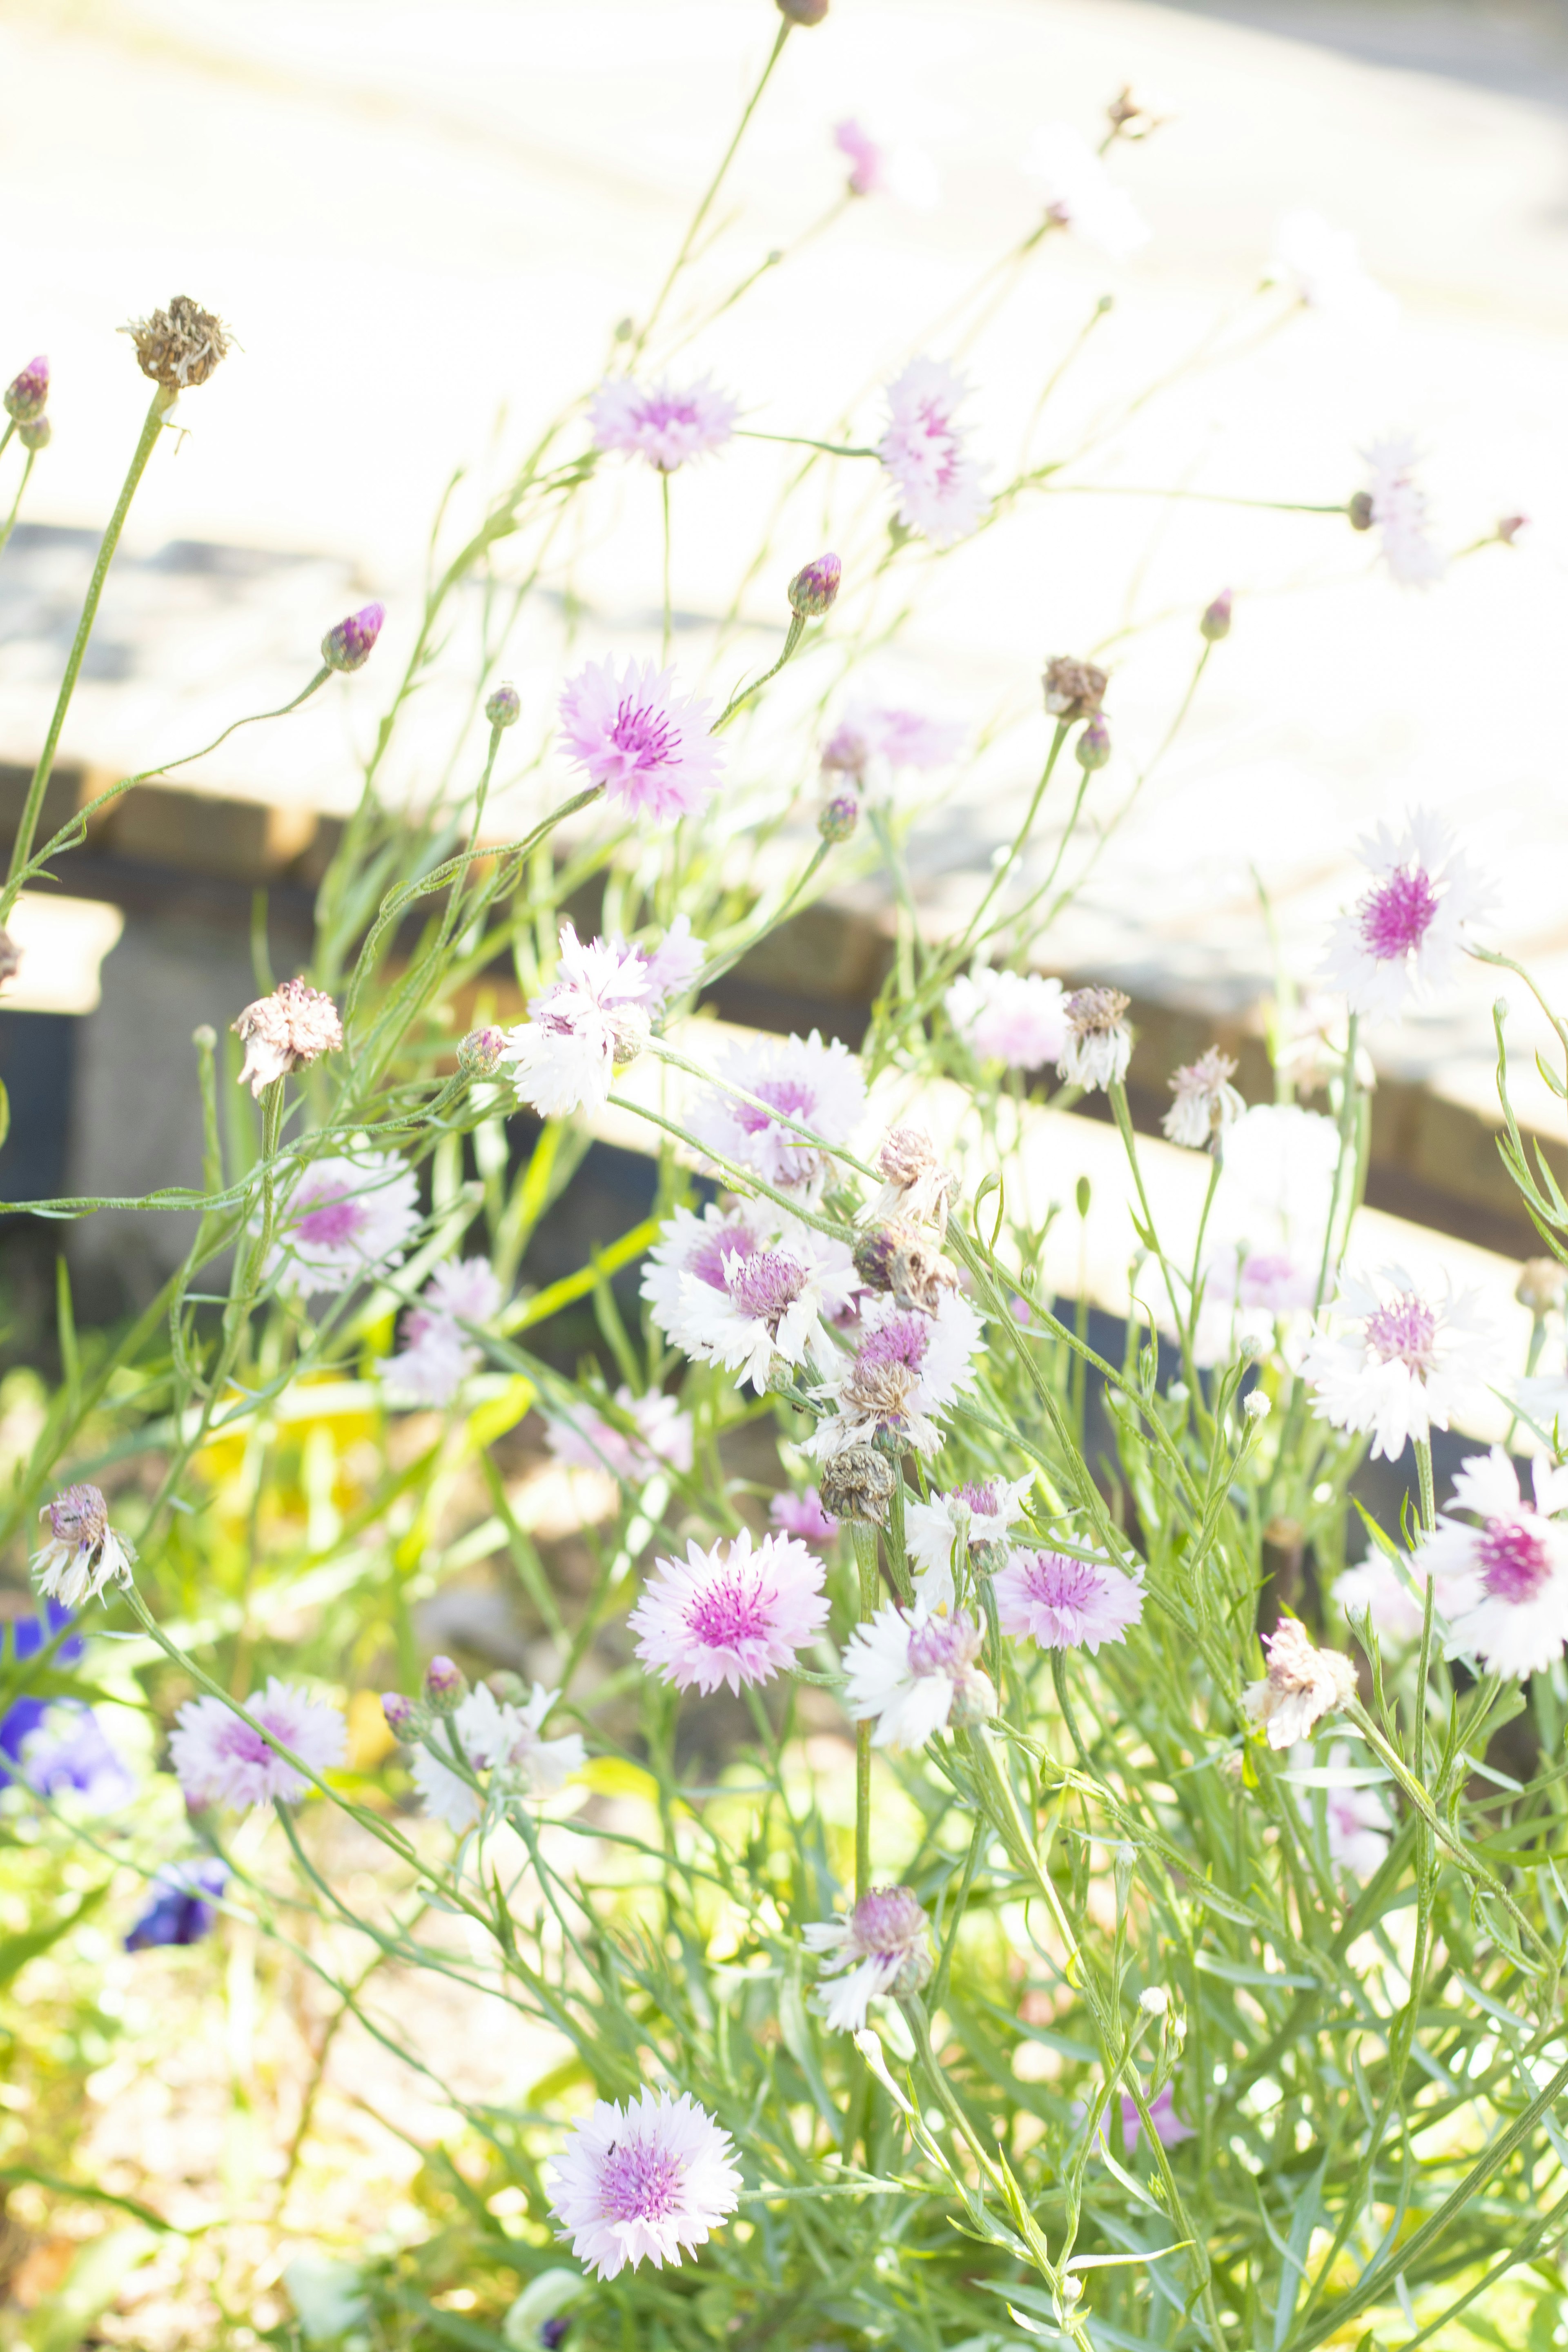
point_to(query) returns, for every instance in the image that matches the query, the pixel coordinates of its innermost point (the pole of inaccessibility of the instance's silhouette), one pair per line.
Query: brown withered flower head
(282, 1032)
(915, 1183)
(856, 1482)
(180, 346)
(897, 1257)
(1074, 689)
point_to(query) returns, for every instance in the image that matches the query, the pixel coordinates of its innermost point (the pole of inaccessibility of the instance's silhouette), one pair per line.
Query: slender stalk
(664, 507)
(864, 1539)
(10, 523)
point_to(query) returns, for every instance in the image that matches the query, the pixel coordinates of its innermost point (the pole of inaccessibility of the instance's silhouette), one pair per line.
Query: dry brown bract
(179, 346)
(1074, 689)
(915, 1183)
(284, 1031)
(1302, 1683)
(856, 1482)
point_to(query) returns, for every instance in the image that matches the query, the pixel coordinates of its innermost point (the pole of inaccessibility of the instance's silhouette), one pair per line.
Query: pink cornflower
(913, 1677)
(668, 426)
(875, 743)
(437, 1355)
(1355, 1819)
(803, 1515)
(649, 2179)
(1503, 1582)
(347, 1220)
(591, 1442)
(1406, 1363)
(674, 964)
(937, 482)
(1063, 1604)
(819, 1086)
(590, 1023)
(1169, 2129)
(83, 1556)
(903, 1378)
(1373, 1590)
(1397, 506)
(692, 1250)
(885, 1945)
(1405, 932)
(644, 744)
(221, 1761)
(1015, 1017)
(771, 1305)
(731, 1614)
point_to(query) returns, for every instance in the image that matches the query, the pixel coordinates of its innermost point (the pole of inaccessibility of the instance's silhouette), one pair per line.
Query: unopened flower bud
(36, 436)
(1541, 1285)
(552, 2333)
(974, 1700)
(857, 1483)
(1215, 622)
(875, 1251)
(839, 818)
(446, 1686)
(509, 1688)
(1509, 528)
(400, 1714)
(1093, 746)
(802, 12)
(352, 643)
(27, 394)
(478, 1055)
(1256, 1406)
(1360, 510)
(814, 587)
(1155, 2001)
(504, 708)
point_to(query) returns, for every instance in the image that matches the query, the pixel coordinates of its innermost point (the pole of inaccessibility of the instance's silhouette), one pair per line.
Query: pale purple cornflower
(1169, 2129)
(667, 424)
(437, 1355)
(221, 1761)
(348, 1219)
(1405, 932)
(903, 1378)
(1081, 195)
(916, 1675)
(651, 2179)
(957, 1526)
(495, 1736)
(69, 1754)
(1015, 1017)
(731, 1614)
(641, 743)
(697, 1249)
(1099, 1043)
(591, 1022)
(819, 1086)
(1374, 1590)
(1323, 265)
(771, 1305)
(884, 1944)
(1063, 1604)
(1205, 1102)
(1397, 505)
(83, 1556)
(873, 745)
(286, 1032)
(937, 481)
(1503, 1582)
(1406, 1363)
(1355, 1819)
(1301, 1684)
(663, 1436)
(803, 1515)
(674, 964)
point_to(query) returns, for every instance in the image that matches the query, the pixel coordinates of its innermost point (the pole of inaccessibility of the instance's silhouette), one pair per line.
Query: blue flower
(28, 1636)
(181, 1911)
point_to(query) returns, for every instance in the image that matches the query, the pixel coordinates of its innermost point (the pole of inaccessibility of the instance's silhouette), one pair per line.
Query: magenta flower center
(644, 735)
(237, 1740)
(901, 1339)
(79, 1516)
(982, 1500)
(1403, 1332)
(707, 1259)
(766, 1284)
(791, 1096)
(942, 1645)
(938, 445)
(1058, 1582)
(638, 2183)
(887, 1920)
(1397, 914)
(333, 1224)
(730, 1613)
(1514, 1561)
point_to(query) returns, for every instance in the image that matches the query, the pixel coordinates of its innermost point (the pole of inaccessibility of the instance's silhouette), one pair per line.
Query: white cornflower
(1205, 1102)
(914, 1675)
(1354, 1816)
(1503, 1582)
(1404, 934)
(1302, 1683)
(772, 1305)
(955, 1524)
(819, 1087)
(83, 1556)
(695, 1249)
(1015, 1017)
(1404, 1365)
(1099, 1043)
(590, 1023)
(1324, 266)
(437, 1355)
(1374, 1590)
(493, 1734)
(884, 1943)
(1397, 505)
(1081, 193)
(348, 1219)
(649, 2181)
(904, 1377)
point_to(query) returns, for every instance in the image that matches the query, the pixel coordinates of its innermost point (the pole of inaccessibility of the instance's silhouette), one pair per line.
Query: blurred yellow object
(499, 1413)
(371, 1740)
(612, 1776)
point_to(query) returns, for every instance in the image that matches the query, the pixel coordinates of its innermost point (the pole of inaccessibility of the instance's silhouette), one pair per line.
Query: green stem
(10, 523)
(864, 1539)
(664, 503)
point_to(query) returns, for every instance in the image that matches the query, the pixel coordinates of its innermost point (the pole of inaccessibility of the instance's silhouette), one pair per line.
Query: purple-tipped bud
(446, 1686)
(1508, 529)
(401, 1713)
(504, 708)
(36, 436)
(839, 818)
(352, 643)
(814, 587)
(802, 12)
(552, 2333)
(479, 1055)
(1215, 622)
(1093, 746)
(1359, 510)
(27, 394)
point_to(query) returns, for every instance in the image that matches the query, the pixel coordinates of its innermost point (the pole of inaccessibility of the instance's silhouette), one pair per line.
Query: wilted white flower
(915, 1675)
(1205, 1102)
(492, 1734)
(1099, 1043)
(83, 1556)
(591, 1022)
(1302, 1683)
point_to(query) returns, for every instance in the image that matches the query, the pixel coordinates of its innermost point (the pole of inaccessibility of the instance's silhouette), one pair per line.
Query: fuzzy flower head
(83, 1556)
(437, 1355)
(771, 1306)
(347, 1220)
(641, 743)
(660, 1436)
(182, 1909)
(1301, 1684)
(1501, 1572)
(913, 1677)
(697, 1250)
(1081, 194)
(591, 1022)
(1013, 1017)
(1323, 265)
(220, 1760)
(1374, 1590)
(882, 1946)
(661, 422)
(286, 1031)
(917, 1188)
(1099, 1043)
(903, 1378)
(731, 1614)
(875, 744)
(497, 1736)
(1205, 1102)
(859, 1484)
(1065, 1604)
(816, 1086)
(803, 1515)
(937, 483)
(1404, 1362)
(674, 964)
(649, 2180)
(1394, 504)
(959, 1526)
(1404, 934)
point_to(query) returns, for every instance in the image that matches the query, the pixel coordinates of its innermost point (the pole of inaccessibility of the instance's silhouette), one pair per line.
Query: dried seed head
(1092, 749)
(814, 588)
(1541, 1282)
(839, 818)
(1074, 689)
(285, 1031)
(918, 1277)
(875, 1251)
(27, 394)
(1302, 1683)
(180, 346)
(504, 708)
(857, 1483)
(480, 1052)
(907, 1154)
(352, 643)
